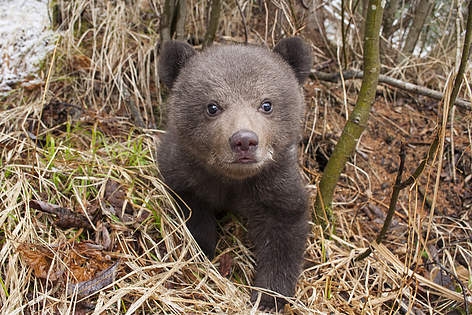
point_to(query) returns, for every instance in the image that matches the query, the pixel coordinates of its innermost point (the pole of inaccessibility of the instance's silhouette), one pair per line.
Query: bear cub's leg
(201, 222)
(279, 236)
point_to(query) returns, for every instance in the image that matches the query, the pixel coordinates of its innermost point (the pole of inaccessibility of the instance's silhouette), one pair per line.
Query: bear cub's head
(235, 109)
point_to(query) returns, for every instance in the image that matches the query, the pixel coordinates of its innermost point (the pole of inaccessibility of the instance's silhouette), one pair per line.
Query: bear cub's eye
(213, 109)
(266, 107)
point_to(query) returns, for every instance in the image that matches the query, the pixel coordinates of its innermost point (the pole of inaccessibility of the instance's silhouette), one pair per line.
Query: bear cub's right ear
(297, 54)
(173, 56)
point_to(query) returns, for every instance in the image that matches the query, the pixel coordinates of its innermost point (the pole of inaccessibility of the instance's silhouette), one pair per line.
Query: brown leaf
(86, 259)
(80, 62)
(226, 262)
(115, 194)
(101, 280)
(39, 258)
(87, 264)
(65, 218)
(102, 236)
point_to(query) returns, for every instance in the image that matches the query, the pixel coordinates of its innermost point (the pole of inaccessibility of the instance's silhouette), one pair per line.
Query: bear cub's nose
(243, 141)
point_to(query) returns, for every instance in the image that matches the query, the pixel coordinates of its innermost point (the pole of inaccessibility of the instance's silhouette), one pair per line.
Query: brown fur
(243, 158)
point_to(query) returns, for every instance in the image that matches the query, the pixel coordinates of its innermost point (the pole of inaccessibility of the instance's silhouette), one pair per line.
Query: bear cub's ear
(297, 54)
(173, 56)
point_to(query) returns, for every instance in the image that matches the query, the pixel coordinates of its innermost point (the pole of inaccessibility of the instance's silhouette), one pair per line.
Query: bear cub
(235, 114)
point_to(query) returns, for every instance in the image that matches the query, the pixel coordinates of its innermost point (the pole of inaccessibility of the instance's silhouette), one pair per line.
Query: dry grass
(90, 158)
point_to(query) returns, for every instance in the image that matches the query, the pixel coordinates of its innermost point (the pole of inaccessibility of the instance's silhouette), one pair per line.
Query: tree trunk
(173, 20)
(363, 13)
(166, 20)
(180, 19)
(212, 23)
(423, 9)
(315, 29)
(391, 9)
(357, 120)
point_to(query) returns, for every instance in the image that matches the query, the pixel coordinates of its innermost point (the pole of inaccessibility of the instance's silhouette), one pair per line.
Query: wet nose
(243, 141)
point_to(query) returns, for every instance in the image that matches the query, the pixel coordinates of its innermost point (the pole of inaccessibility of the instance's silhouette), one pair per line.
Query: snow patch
(25, 40)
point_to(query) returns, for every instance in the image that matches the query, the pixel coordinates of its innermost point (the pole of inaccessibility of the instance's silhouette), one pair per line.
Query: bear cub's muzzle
(244, 144)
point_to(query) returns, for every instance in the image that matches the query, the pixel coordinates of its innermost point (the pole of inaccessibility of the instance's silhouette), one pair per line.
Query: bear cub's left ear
(297, 54)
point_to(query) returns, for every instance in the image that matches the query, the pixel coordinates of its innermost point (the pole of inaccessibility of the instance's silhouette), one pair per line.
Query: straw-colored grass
(86, 141)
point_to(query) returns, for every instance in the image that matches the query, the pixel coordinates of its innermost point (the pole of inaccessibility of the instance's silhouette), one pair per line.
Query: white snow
(25, 39)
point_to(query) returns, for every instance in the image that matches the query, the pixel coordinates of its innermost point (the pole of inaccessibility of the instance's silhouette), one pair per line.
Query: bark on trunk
(357, 121)
(422, 11)
(212, 23)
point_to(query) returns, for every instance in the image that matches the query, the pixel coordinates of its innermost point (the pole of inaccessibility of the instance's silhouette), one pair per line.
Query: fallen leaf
(115, 195)
(65, 218)
(80, 62)
(40, 258)
(85, 264)
(89, 287)
(226, 262)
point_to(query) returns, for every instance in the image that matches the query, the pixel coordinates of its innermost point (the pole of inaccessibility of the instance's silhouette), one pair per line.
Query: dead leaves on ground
(84, 268)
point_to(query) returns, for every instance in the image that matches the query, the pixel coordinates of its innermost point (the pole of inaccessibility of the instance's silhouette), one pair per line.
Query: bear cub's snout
(235, 115)
(244, 144)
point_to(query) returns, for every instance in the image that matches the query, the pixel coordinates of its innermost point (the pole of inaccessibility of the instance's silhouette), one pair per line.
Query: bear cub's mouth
(245, 160)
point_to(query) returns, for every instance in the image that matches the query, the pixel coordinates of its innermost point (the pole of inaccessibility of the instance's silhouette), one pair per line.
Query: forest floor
(87, 227)
(102, 171)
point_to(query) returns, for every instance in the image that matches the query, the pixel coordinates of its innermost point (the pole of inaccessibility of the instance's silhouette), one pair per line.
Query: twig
(101, 280)
(393, 203)
(410, 87)
(243, 19)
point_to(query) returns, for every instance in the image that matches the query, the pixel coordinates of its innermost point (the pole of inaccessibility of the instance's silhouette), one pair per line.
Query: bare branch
(406, 86)
(357, 119)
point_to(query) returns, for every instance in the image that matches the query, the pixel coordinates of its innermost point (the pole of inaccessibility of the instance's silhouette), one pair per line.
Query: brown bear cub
(235, 116)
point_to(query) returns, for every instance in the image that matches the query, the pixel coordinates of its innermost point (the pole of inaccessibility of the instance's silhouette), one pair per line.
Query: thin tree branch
(406, 86)
(393, 203)
(464, 57)
(243, 19)
(357, 121)
(343, 35)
